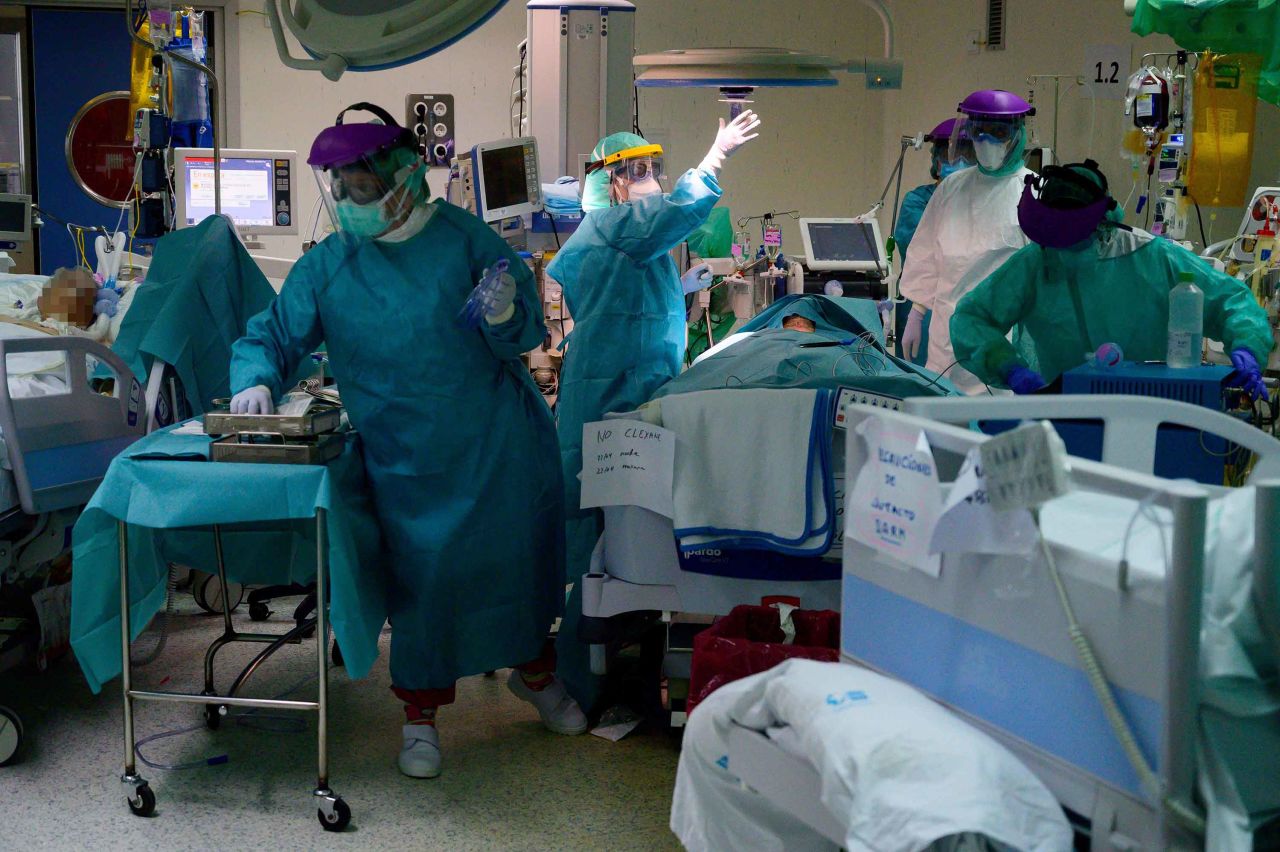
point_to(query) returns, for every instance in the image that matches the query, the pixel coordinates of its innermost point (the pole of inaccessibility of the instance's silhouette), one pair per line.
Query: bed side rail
(60, 445)
(1130, 423)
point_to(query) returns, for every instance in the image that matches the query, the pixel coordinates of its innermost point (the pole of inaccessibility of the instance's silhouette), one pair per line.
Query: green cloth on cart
(201, 290)
(171, 498)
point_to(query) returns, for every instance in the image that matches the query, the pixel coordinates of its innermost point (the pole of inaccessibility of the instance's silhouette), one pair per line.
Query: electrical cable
(554, 230)
(1098, 680)
(166, 616)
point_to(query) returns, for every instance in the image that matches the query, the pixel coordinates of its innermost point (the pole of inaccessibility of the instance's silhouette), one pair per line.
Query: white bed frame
(1148, 643)
(61, 445)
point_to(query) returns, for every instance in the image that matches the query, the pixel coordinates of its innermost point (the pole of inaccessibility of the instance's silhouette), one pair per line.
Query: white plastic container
(1186, 323)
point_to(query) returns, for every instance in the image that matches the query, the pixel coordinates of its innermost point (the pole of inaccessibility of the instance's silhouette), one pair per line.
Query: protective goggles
(356, 184)
(640, 162)
(1000, 131)
(963, 150)
(1061, 208)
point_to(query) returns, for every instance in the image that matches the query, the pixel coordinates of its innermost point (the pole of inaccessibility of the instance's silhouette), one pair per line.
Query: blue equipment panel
(1181, 453)
(96, 45)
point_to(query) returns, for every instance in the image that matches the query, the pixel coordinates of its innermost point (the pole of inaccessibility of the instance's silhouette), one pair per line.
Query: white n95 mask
(990, 153)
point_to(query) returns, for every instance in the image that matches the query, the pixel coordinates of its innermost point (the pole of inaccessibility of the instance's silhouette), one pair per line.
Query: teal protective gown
(909, 214)
(1066, 303)
(459, 446)
(628, 339)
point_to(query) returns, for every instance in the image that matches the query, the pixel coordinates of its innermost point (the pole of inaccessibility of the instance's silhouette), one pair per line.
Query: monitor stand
(252, 242)
(6, 262)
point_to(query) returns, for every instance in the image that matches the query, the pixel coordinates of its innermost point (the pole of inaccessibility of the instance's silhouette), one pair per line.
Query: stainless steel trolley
(334, 813)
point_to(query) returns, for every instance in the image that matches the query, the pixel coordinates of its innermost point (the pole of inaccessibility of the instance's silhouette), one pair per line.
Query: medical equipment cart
(226, 500)
(333, 812)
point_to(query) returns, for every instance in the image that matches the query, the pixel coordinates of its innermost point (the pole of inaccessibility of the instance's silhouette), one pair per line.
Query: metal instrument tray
(275, 450)
(313, 423)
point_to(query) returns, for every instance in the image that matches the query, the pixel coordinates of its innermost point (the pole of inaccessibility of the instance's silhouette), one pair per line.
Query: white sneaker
(560, 713)
(420, 756)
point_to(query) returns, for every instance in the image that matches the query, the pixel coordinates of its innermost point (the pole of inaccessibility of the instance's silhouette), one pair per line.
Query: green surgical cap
(595, 192)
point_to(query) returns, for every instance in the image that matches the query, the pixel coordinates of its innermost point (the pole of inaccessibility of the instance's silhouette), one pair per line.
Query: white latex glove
(697, 278)
(254, 400)
(912, 333)
(729, 138)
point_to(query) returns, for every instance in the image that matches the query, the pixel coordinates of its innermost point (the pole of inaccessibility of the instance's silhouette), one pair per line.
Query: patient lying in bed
(809, 341)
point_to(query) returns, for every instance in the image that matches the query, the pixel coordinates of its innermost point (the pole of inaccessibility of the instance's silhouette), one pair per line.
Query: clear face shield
(945, 162)
(633, 173)
(992, 139)
(374, 194)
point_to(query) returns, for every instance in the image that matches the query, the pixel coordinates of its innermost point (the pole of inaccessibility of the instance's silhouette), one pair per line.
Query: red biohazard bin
(750, 640)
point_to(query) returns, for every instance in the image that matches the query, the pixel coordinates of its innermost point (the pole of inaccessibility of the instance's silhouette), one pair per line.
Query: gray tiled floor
(508, 784)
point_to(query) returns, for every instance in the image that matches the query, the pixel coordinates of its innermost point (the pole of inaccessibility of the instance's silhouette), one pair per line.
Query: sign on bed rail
(896, 498)
(628, 463)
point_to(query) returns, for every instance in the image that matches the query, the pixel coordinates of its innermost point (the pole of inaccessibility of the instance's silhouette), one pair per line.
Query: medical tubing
(241, 719)
(217, 760)
(165, 617)
(1098, 680)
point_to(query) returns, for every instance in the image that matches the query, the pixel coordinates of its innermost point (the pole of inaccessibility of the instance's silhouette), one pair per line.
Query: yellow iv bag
(1224, 102)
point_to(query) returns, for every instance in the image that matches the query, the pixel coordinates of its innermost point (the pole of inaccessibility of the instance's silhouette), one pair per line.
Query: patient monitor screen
(13, 221)
(248, 190)
(843, 241)
(505, 181)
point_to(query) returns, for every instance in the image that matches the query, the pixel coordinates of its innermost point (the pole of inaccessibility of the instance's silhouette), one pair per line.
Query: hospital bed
(58, 436)
(636, 567)
(987, 637)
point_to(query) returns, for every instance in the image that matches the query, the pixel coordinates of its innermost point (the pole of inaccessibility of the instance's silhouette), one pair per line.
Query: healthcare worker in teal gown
(627, 302)
(459, 446)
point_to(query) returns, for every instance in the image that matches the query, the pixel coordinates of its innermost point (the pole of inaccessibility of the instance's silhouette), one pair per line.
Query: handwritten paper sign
(969, 524)
(628, 463)
(896, 498)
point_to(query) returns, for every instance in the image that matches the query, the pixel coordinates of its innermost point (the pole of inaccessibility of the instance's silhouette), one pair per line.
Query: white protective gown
(968, 230)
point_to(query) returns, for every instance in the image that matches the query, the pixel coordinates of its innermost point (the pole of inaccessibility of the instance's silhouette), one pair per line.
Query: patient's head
(795, 322)
(69, 297)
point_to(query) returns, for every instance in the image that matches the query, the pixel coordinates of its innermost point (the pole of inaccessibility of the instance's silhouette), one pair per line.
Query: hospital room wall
(820, 152)
(1043, 37)
(826, 152)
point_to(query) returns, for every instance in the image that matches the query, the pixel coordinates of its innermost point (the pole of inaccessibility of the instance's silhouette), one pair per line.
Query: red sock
(537, 682)
(420, 715)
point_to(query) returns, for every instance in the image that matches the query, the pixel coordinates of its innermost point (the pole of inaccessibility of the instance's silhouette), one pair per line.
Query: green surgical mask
(362, 220)
(371, 220)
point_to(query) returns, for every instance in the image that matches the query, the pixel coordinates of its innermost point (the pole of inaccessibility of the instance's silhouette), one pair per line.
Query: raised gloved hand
(729, 138)
(254, 400)
(1023, 380)
(492, 299)
(1248, 374)
(697, 278)
(912, 334)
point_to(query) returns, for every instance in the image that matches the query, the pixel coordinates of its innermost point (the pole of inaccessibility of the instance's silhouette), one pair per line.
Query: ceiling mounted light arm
(332, 66)
(363, 35)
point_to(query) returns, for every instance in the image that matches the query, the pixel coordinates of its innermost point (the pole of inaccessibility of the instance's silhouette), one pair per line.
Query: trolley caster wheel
(207, 591)
(143, 801)
(10, 736)
(336, 656)
(213, 716)
(259, 611)
(338, 820)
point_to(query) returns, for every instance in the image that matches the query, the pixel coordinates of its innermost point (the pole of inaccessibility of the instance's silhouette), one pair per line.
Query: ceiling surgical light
(370, 35)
